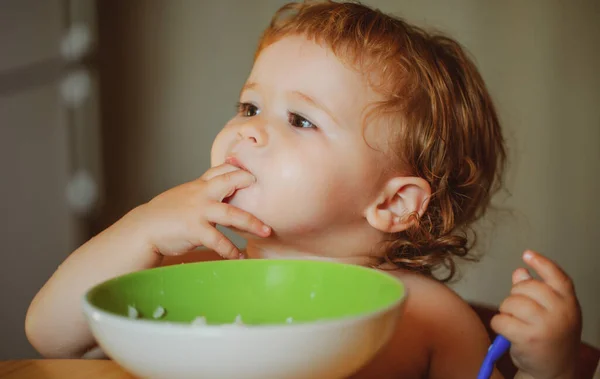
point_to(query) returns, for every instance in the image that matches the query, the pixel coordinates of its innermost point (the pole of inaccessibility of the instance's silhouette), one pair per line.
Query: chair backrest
(589, 356)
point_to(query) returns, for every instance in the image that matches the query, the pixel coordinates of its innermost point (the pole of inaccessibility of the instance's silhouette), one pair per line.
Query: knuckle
(244, 218)
(524, 287)
(228, 177)
(503, 305)
(567, 283)
(533, 287)
(528, 285)
(517, 288)
(230, 211)
(248, 219)
(507, 303)
(197, 185)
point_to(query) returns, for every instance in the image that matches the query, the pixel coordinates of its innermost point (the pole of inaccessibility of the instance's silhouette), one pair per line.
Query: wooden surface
(61, 369)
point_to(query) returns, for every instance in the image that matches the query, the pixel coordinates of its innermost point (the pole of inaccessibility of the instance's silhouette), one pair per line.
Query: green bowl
(300, 319)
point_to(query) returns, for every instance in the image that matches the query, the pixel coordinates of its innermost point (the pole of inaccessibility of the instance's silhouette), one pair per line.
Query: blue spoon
(496, 350)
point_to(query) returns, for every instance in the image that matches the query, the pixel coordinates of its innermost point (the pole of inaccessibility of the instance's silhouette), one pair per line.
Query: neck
(351, 247)
(259, 251)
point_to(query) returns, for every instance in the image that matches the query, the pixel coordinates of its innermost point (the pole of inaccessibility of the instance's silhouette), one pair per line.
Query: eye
(300, 122)
(247, 109)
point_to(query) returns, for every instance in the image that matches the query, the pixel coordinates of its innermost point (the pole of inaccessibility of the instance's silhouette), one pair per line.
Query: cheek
(309, 188)
(288, 172)
(319, 175)
(293, 194)
(305, 188)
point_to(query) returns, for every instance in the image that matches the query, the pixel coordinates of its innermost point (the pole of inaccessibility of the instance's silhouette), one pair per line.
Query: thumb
(520, 275)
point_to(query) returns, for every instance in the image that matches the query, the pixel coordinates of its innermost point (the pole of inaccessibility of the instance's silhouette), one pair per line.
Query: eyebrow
(301, 95)
(248, 86)
(316, 104)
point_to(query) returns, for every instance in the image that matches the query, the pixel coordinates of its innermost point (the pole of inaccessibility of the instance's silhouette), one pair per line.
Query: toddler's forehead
(295, 63)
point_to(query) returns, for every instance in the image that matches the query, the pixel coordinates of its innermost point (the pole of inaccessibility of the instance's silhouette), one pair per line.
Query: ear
(400, 197)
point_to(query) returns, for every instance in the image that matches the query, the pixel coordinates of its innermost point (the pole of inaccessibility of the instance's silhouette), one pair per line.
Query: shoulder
(455, 337)
(435, 302)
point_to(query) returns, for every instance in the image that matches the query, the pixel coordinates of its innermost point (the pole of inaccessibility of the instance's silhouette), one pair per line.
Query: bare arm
(65, 334)
(458, 339)
(172, 224)
(461, 342)
(55, 324)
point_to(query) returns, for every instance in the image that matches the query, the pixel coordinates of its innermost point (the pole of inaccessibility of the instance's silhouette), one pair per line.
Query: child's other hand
(542, 320)
(184, 217)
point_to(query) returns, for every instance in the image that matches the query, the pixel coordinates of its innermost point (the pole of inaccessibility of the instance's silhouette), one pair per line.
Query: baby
(359, 138)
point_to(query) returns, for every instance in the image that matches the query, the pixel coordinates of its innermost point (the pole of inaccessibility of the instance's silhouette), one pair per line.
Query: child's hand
(184, 217)
(542, 320)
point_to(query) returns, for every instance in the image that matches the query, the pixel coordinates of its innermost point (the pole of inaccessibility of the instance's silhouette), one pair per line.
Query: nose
(254, 133)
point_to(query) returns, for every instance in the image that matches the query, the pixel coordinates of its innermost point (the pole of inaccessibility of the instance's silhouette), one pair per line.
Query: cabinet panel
(37, 228)
(30, 32)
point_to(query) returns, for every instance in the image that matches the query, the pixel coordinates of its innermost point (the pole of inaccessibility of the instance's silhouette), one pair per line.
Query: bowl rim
(93, 312)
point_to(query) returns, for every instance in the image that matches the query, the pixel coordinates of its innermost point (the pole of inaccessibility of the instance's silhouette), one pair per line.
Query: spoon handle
(496, 350)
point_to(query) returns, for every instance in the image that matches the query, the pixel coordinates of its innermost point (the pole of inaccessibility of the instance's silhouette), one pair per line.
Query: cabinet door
(37, 228)
(30, 32)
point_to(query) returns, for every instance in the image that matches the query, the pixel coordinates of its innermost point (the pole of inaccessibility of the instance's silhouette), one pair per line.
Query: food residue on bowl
(132, 312)
(158, 312)
(200, 320)
(238, 320)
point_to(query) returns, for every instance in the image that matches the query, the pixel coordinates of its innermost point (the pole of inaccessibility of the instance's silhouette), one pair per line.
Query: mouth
(236, 162)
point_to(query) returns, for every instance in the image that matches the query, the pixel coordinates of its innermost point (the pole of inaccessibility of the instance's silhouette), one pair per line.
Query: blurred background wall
(171, 71)
(50, 162)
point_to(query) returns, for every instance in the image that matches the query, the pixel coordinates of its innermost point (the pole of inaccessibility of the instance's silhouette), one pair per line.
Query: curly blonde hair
(445, 126)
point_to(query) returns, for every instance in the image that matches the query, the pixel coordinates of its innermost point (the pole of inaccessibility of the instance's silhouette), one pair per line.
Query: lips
(234, 161)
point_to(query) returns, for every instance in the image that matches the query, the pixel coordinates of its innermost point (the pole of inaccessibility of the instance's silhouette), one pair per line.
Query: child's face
(300, 133)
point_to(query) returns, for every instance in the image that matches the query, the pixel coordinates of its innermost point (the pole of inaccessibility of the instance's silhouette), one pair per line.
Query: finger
(523, 308)
(230, 216)
(509, 326)
(216, 241)
(218, 170)
(520, 274)
(225, 185)
(538, 291)
(550, 272)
